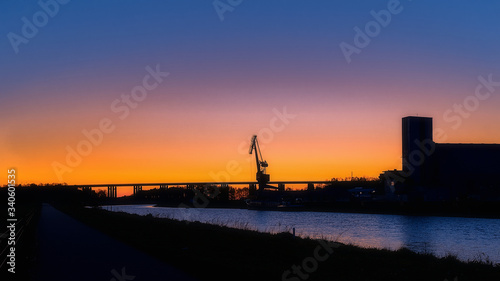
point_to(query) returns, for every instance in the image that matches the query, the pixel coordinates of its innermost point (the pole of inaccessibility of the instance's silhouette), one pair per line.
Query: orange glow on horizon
(197, 145)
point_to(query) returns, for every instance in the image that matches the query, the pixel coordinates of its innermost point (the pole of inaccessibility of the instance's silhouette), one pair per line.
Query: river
(467, 238)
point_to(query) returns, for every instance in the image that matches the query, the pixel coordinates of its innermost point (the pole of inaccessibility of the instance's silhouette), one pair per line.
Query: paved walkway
(71, 250)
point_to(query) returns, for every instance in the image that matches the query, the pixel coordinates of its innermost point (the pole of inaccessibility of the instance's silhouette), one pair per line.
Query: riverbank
(466, 209)
(217, 252)
(440, 209)
(70, 250)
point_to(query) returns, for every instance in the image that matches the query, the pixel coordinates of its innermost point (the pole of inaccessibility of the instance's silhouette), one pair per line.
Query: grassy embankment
(221, 253)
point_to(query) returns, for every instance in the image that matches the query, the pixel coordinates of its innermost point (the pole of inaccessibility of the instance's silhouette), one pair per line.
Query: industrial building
(442, 171)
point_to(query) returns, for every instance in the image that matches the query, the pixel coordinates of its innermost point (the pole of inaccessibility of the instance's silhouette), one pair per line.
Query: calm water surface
(468, 238)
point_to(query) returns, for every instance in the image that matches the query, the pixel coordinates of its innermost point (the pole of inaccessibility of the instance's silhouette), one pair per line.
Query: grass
(224, 253)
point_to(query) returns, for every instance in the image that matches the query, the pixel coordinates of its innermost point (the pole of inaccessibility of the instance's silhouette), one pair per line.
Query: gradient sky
(227, 80)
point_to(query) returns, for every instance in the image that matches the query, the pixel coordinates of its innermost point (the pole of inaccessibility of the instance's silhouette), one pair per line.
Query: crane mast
(262, 177)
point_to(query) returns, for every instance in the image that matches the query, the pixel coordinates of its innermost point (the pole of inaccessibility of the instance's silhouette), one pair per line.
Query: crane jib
(262, 177)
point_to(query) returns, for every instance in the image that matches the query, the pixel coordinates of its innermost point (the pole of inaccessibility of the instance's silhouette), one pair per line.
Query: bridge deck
(198, 183)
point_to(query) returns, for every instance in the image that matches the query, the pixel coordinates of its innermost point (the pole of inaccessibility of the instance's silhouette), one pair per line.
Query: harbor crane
(262, 177)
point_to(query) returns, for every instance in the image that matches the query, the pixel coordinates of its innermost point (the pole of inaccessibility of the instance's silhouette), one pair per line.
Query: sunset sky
(272, 68)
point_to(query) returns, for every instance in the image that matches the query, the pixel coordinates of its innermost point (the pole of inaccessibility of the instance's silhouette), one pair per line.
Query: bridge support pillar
(252, 189)
(137, 188)
(310, 186)
(163, 186)
(112, 191)
(281, 186)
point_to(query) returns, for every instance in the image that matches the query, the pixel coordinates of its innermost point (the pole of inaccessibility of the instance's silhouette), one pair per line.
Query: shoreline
(485, 210)
(263, 254)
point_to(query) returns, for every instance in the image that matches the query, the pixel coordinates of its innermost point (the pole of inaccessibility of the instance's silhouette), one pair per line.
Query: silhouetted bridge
(138, 186)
